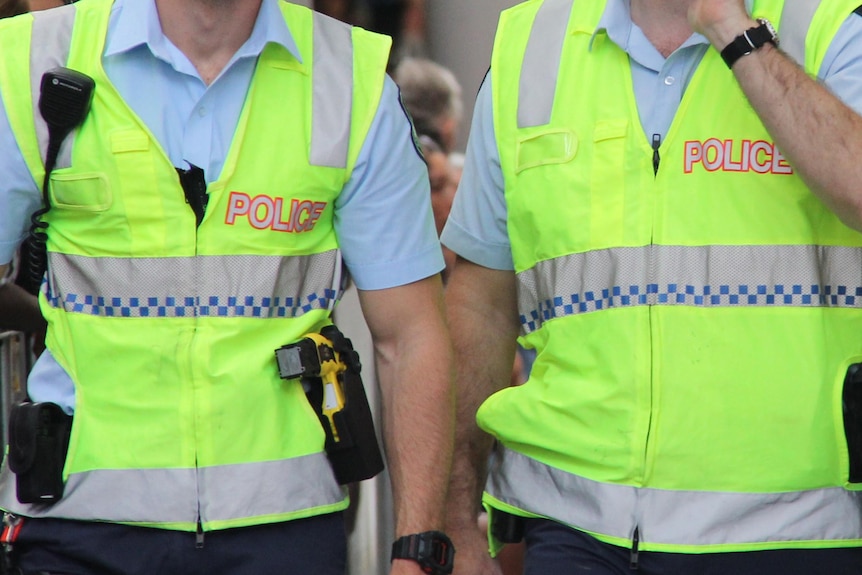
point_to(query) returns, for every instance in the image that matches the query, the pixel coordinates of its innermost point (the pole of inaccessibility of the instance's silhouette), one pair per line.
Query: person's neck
(664, 22)
(208, 32)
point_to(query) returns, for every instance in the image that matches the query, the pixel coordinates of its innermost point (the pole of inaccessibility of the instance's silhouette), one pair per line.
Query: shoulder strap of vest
(796, 18)
(541, 66)
(332, 79)
(49, 48)
(542, 57)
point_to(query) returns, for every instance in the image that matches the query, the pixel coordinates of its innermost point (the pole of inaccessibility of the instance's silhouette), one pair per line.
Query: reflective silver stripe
(292, 485)
(332, 77)
(541, 66)
(674, 517)
(795, 21)
(226, 492)
(49, 48)
(208, 286)
(709, 276)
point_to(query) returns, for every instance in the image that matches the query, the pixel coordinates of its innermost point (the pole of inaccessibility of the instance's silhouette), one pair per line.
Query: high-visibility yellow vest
(693, 324)
(168, 330)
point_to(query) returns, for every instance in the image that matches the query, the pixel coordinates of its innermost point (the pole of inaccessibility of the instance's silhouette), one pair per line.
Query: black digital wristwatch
(432, 550)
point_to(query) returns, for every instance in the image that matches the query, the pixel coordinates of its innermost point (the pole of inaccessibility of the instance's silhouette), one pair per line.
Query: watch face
(438, 554)
(770, 28)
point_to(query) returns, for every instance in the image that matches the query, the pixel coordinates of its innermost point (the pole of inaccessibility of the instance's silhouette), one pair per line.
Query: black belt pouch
(38, 441)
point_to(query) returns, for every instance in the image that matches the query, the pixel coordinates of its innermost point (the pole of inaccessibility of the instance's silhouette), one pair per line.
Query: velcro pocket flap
(124, 141)
(552, 147)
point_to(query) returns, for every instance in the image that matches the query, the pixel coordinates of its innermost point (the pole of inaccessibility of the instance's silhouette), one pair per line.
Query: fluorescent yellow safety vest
(693, 324)
(168, 330)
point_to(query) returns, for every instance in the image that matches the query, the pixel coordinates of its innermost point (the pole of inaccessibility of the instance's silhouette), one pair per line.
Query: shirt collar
(616, 22)
(126, 32)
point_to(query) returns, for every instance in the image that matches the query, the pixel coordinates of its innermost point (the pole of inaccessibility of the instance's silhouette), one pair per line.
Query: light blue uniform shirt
(476, 228)
(383, 216)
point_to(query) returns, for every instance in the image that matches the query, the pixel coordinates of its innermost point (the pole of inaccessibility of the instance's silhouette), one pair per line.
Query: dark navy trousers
(554, 549)
(314, 546)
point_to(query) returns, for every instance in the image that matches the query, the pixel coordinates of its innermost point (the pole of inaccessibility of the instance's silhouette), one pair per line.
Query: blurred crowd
(403, 20)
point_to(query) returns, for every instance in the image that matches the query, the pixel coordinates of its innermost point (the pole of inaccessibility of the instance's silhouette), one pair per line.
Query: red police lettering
(735, 156)
(265, 212)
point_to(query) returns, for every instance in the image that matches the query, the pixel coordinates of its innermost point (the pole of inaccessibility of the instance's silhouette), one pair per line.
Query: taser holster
(329, 370)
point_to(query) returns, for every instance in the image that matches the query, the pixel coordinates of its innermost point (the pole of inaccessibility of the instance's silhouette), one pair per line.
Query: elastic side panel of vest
(332, 105)
(541, 66)
(795, 21)
(49, 48)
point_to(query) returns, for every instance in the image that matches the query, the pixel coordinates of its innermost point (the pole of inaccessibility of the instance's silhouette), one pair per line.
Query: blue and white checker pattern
(195, 306)
(690, 295)
(698, 276)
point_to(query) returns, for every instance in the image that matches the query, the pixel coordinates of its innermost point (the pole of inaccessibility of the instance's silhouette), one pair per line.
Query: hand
(471, 553)
(405, 567)
(720, 20)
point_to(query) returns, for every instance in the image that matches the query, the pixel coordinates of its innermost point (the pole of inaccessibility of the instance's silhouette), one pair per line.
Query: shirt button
(202, 111)
(669, 80)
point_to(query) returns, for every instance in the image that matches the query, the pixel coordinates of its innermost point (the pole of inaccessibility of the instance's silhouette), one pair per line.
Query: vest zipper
(656, 158)
(199, 536)
(633, 562)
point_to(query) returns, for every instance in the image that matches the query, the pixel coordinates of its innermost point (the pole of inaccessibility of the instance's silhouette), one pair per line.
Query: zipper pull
(199, 536)
(633, 562)
(656, 159)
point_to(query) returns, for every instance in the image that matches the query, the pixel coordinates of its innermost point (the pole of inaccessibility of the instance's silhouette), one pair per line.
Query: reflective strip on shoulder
(701, 276)
(227, 492)
(675, 518)
(541, 66)
(224, 286)
(332, 77)
(792, 31)
(50, 44)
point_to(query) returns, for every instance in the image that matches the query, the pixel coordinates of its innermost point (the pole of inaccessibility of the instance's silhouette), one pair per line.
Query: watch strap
(748, 42)
(432, 550)
(406, 547)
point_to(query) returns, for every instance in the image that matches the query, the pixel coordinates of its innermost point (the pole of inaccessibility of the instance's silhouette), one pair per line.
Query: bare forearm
(482, 312)
(414, 362)
(819, 135)
(418, 409)
(19, 310)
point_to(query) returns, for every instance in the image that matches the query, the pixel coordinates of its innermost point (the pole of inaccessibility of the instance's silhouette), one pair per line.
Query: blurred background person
(433, 96)
(12, 7)
(443, 188)
(403, 20)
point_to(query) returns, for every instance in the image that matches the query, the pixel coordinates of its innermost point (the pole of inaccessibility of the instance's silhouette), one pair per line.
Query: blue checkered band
(203, 286)
(703, 276)
(213, 306)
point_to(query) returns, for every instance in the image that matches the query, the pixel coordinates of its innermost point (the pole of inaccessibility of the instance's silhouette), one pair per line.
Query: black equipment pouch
(852, 406)
(505, 527)
(38, 442)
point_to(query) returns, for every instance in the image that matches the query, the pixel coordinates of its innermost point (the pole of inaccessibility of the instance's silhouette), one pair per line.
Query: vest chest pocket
(83, 192)
(552, 147)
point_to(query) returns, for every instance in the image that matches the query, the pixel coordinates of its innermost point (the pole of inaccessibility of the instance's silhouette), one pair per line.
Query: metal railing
(16, 359)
